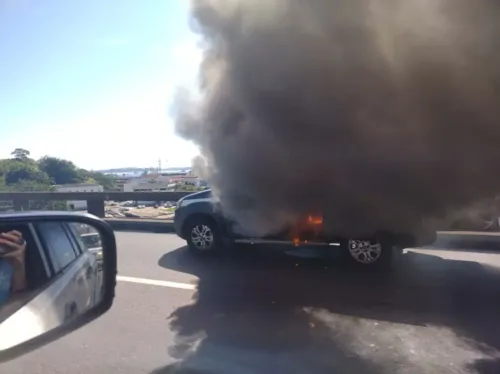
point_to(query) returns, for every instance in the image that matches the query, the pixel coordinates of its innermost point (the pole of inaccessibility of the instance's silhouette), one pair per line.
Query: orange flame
(310, 224)
(315, 220)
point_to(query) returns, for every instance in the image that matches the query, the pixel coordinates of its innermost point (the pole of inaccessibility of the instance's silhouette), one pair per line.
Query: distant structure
(148, 183)
(80, 187)
(161, 182)
(146, 180)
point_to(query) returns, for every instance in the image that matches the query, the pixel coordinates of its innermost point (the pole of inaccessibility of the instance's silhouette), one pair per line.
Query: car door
(73, 271)
(66, 293)
(93, 249)
(233, 227)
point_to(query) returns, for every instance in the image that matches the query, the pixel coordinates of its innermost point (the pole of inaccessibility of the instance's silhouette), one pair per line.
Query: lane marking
(154, 282)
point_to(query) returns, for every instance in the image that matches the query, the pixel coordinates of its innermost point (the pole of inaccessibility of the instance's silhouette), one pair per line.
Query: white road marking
(154, 282)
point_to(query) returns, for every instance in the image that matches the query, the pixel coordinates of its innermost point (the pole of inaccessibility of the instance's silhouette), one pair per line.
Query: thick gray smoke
(376, 112)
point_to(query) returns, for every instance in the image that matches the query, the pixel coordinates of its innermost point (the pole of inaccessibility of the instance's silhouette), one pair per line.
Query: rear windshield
(200, 195)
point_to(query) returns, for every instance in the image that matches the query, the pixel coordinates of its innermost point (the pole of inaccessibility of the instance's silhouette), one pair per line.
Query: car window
(37, 271)
(58, 244)
(87, 236)
(200, 195)
(91, 240)
(74, 240)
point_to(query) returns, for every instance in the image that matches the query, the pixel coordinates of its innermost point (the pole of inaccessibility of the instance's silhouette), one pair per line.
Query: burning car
(201, 222)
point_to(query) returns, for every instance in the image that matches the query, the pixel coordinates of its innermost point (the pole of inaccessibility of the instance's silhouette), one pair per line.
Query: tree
(20, 154)
(14, 170)
(22, 173)
(61, 171)
(26, 186)
(186, 188)
(106, 181)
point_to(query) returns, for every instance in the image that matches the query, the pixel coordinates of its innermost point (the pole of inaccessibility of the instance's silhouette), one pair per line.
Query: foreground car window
(61, 250)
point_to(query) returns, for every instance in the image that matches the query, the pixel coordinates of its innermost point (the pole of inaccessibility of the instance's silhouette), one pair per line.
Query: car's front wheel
(369, 253)
(203, 236)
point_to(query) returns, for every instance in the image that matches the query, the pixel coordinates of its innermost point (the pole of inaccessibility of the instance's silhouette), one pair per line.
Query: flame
(307, 225)
(315, 220)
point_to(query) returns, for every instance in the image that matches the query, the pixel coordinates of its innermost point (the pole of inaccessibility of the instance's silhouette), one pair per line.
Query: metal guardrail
(95, 200)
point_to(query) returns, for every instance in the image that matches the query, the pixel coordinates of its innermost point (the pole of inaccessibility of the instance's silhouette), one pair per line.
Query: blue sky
(91, 80)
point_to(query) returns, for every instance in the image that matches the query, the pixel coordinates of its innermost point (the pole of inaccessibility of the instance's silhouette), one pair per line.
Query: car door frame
(84, 252)
(78, 277)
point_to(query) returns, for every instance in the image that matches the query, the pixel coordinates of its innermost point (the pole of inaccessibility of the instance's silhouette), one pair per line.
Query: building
(186, 180)
(149, 183)
(81, 187)
(121, 179)
(155, 182)
(134, 186)
(120, 183)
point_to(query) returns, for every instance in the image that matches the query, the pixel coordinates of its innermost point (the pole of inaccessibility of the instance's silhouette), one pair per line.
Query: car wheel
(203, 236)
(370, 253)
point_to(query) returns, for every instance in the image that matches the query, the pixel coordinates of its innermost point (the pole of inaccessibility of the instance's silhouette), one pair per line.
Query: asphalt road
(437, 312)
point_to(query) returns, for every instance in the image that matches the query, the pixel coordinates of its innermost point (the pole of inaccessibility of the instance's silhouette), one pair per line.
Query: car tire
(375, 253)
(203, 236)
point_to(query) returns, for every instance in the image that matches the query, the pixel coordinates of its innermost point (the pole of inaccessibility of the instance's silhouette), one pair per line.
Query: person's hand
(15, 242)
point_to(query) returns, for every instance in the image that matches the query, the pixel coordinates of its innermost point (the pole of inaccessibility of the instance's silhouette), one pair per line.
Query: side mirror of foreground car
(57, 273)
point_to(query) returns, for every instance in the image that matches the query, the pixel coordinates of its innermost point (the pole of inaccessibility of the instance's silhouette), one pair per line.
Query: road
(437, 312)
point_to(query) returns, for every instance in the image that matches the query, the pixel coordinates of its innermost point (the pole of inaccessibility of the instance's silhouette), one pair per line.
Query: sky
(91, 81)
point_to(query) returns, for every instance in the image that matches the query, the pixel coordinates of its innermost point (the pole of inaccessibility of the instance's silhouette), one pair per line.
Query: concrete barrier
(141, 225)
(473, 240)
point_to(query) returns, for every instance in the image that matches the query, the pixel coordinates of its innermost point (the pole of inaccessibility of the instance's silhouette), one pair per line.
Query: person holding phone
(12, 264)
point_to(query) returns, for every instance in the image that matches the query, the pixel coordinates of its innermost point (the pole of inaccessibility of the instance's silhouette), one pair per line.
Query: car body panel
(65, 297)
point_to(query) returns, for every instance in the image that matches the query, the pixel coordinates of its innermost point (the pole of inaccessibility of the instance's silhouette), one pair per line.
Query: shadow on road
(268, 313)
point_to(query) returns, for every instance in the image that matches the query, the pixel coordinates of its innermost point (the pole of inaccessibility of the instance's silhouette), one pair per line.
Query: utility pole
(159, 166)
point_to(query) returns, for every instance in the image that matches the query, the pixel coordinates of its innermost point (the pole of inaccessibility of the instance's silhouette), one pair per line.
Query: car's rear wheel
(203, 236)
(368, 253)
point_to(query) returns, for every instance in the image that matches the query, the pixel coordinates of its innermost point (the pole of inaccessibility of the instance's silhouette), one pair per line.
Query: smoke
(377, 112)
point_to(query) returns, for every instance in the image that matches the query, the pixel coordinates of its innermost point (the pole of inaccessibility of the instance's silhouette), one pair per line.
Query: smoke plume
(376, 112)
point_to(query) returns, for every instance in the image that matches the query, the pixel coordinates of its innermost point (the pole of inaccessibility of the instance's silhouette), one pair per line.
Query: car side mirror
(57, 273)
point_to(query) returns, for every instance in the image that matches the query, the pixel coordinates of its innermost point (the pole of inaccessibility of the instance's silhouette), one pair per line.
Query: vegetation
(22, 173)
(187, 188)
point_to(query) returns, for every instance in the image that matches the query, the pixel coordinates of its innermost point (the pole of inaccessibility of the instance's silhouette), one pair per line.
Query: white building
(150, 183)
(187, 180)
(122, 178)
(81, 187)
(156, 183)
(137, 186)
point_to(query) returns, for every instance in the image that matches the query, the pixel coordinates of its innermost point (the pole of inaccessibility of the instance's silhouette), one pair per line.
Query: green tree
(61, 171)
(26, 186)
(106, 181)
(13, 171)
(21, 173)
(20, 154)
(186, 188)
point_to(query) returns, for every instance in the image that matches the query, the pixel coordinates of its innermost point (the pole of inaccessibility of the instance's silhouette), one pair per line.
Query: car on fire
(199, 220)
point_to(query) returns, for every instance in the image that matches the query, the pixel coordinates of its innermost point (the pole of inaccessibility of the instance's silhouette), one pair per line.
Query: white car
(64, 281)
